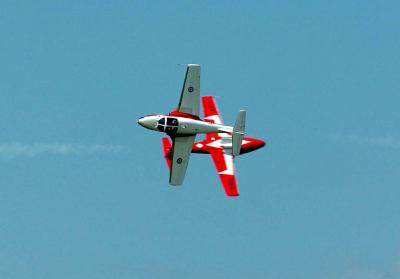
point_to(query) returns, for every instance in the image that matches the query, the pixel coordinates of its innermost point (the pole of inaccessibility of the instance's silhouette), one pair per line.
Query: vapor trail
(15, 149)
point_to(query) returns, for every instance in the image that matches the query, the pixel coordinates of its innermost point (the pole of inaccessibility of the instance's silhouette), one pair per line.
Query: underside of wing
(181, 149)
(226, 171)
(190, 95)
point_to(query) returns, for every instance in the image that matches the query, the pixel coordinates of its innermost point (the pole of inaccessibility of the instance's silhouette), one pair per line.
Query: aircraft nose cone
(141, 121)
(144, 122)
(148, 122)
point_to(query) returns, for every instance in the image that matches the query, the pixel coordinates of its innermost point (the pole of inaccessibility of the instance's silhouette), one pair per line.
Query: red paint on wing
(228, 180)
(167, 147)
(230, 186)
(217, 156)
(209, 106)
(210, 109)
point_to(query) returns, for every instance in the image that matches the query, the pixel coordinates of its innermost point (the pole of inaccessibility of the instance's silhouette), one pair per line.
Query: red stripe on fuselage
(183, 114)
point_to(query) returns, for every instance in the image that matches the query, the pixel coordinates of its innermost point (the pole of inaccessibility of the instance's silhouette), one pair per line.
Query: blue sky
(84, 190)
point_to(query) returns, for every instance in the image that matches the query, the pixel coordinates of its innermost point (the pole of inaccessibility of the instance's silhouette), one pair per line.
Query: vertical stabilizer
(238, 132)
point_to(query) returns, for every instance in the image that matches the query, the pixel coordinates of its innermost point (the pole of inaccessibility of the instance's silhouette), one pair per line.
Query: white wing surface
(181, 149)
(190, 95)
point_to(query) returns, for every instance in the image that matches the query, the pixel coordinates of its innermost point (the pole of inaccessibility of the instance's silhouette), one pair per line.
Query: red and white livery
(222, 142)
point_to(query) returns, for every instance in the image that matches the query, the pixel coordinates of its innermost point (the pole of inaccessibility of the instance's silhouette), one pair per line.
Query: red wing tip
(233, 195)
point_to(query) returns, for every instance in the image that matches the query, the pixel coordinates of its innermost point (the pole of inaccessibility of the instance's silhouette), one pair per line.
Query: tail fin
(238, 132)
(167, 147)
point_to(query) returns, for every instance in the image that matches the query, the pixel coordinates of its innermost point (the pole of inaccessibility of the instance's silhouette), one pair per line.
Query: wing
(190, 95)
(226, 171)
(210, 110)
(167, 147)
(212, 115)
(181, 149)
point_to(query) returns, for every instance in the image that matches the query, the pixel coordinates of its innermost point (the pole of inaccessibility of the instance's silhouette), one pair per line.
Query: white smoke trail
(387, 141)
(15, 149)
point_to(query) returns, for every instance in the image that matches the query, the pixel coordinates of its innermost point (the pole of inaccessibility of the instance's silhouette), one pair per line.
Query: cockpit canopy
(168, 125)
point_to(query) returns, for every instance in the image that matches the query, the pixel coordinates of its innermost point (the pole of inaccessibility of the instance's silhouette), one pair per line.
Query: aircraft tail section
(238, 132)
(167, 147)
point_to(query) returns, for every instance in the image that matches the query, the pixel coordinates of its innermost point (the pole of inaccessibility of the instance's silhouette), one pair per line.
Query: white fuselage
(177, 125)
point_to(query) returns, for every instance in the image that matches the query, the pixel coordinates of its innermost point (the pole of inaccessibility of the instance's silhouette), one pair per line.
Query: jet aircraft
(182, 125)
